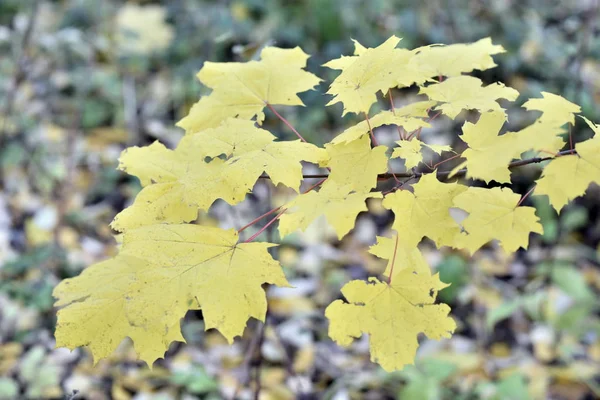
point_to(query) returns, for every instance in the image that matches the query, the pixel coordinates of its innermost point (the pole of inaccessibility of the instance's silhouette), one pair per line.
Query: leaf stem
(285, 121)
(393, 261)
(243, 228)
(525, 196)
(394, 112)
(371, 130)
(251, 238)
(434, 166)
(255, 220)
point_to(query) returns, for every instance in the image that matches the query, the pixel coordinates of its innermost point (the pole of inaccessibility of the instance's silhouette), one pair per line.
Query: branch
(444, 174)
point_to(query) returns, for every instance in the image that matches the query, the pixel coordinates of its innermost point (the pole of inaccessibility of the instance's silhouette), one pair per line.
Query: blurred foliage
(82, 79)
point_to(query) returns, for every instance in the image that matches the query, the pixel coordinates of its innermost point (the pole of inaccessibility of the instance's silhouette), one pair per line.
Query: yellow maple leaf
(495, 214)
(595, 128)
(183, 182)
(489, 154)
(456, 59)
(569, 176)
(398, 254)
(409, 117)
(142, 29)
(393, 315)
(426, 212)
(172, 200)
(162, 272)
(541, 135)
(356, 164)
(545, 133)
(232, 137)
(410, 151)
(243, 89)
(339, 204)
(467, 93)
(554, 108)
(369, 71)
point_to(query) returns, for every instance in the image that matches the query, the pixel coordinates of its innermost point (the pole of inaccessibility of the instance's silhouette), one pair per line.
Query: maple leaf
(541, 135)
(426, 212)
(595, 128)
(232, 137)
(456, 59)
(569, 176)
(243, 89)
(495, 214)
(356, 164)
(161, 272)
(339, 204)
(489, 154)
(410, 151)
(369, 71)
(178, 189)
(398, 254)
(467, 93)
(409, 117)
(183, 182)
(393, 315)
(555, 109)
(545, 133)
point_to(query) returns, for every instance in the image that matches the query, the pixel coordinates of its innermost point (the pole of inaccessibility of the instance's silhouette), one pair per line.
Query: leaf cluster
(167, 266)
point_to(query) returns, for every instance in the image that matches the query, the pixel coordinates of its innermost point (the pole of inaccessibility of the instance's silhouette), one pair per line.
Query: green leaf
(572, 282)
(501, 312)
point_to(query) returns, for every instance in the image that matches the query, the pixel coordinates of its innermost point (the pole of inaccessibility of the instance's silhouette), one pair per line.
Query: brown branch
(444, 174)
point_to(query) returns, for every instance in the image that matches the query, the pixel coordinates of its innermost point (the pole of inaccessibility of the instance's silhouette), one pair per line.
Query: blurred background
(82, 79)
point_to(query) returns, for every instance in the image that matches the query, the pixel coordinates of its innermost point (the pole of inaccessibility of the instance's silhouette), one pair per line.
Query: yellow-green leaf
(243, 89)
(398, 254)
(370, 71)
(356, 164)
(569, 176)
(339, 204)
(467, 93)
(489, 154)
(410, 151)
(554, 108)
(162, 272)
(393, 315)
(494, 214)
(456, 59)
(426, 212)
(409, 117)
